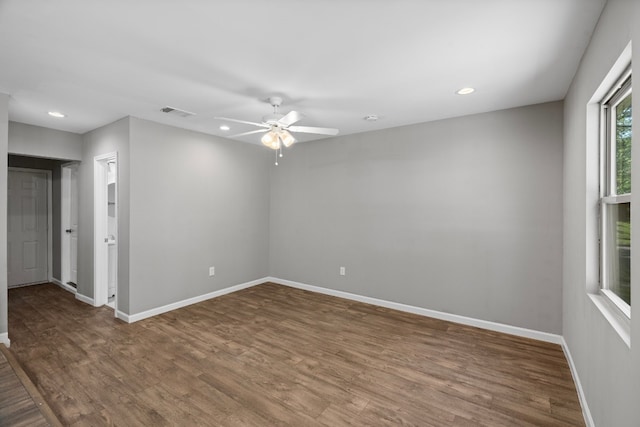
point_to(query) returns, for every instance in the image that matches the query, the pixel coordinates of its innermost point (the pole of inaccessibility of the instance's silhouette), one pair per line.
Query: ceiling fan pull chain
(276, 157)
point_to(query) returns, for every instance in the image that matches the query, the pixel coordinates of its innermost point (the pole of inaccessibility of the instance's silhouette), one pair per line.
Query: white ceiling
(334, 60)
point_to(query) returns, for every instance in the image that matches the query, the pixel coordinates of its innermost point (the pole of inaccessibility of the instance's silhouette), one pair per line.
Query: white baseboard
(586, 413)
(28, 284)
(4, 339)
(85, 299)
(63, 285)
(469, 321)
(123, 316)
(173, 306)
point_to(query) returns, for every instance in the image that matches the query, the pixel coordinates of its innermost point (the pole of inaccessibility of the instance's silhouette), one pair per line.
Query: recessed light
(465, 91)
(56, 114)
(224, 127)
(371, 117)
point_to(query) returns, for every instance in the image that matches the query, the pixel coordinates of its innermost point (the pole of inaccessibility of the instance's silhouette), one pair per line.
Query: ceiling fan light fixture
(277, 128)
(271, 140)
(287, 139)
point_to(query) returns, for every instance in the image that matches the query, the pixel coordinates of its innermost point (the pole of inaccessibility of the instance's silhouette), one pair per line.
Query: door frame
(64, 218)
(49, 187)
(100, 230)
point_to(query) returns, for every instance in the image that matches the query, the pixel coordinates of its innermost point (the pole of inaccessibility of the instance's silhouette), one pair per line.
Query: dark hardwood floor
(273, 355)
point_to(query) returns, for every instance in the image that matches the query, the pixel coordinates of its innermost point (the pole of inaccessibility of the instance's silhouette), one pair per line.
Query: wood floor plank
(272, 355)
(20, 402)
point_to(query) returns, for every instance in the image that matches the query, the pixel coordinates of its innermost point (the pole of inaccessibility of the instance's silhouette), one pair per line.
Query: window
(615, 195)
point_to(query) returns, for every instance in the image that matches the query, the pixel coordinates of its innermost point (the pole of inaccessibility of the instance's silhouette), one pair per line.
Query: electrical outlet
(343, 271)
(212, 271)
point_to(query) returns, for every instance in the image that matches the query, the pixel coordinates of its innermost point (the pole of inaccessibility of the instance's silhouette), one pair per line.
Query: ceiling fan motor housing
(275, 101)
(272, 118)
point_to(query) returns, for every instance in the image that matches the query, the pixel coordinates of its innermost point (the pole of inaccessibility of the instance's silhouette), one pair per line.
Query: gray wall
(462, 215)
(190, 200)
(29, 140)
(609, 370)
(196, 201)
(56, 195)
(107, 139)
(4, 149)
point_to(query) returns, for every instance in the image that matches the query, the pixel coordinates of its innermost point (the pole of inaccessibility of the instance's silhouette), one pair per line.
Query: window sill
(620, 323)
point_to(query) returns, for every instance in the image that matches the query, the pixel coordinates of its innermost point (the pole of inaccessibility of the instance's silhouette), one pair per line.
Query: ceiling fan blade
(309, 129)
(249, 133)
(290, 118)
(262, 125)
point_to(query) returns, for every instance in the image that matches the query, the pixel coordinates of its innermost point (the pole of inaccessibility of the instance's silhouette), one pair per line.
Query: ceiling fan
(277, 127)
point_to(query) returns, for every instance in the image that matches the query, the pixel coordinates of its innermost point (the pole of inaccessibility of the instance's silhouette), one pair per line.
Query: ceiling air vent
(177, 112)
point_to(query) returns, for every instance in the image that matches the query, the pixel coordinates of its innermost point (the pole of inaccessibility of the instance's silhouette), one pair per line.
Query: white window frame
(620, 90)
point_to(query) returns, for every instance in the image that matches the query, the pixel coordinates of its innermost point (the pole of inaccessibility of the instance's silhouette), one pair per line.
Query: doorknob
(68, 230)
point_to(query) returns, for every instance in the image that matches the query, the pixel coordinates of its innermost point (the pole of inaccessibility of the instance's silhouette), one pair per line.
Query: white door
(105, 223)
(73, 226)
(70, 224)
(112, 230)
(27, 227)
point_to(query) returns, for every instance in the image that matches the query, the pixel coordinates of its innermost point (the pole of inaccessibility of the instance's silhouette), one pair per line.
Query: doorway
(106, 230)
(28, 227)
(69, 234)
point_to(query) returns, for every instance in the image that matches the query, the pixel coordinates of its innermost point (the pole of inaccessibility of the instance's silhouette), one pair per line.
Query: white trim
(620, 68)
(4, 339)
(123, 316)
(100, 248)
(49, 223)
(176, 305)
(85, 299)
(621, 80)
(65, 215)
(63, 285)
(617, 320)
(24, 285)
(586, 413)
(618, 199)
(484, 324)
(618, 302)
(469, 321)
